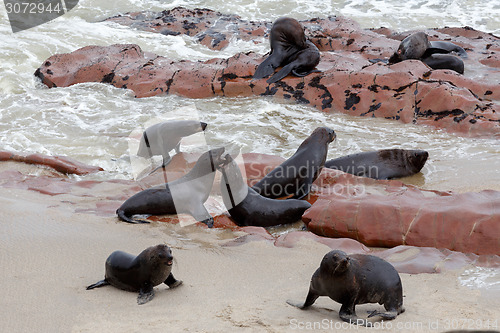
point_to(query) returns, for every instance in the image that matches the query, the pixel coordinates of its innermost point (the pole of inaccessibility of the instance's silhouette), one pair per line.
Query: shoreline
(50, 254)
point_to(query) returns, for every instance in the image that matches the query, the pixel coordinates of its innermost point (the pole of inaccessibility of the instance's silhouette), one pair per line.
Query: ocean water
(91, 122)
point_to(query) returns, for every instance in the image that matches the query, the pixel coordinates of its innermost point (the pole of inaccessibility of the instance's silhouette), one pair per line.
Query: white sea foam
(91, 121)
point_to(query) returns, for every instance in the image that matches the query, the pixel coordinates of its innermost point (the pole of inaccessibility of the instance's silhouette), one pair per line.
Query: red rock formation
(349, 83)
(389, 213)
(377, 213)
(59, 163)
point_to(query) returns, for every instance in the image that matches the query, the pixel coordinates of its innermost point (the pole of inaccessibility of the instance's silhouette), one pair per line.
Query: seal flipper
(266, 68)
(348, 314)
(310, 299)
(177, 148)
(302, 74)
(122, 216)
(146, 293)
(99, 284)
(172, 282)
(283, 72)
(389, 315)
(303, 190)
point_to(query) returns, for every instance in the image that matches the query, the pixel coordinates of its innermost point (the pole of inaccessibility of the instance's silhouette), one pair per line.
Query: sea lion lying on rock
(184, 195)
(435, 54)
(249, 208)
(381, 164)
(295, 175)
(290, 49)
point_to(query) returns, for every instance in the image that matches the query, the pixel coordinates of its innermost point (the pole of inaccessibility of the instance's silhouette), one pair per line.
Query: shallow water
(92, 122)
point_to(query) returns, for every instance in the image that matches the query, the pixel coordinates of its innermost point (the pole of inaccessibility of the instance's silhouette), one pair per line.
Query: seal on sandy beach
(184, 195)
(161, 138)
(356, 279)
(381, 164)
(141, 273)
(290, 49)
(434, 54)
(248, 208)
(296, 175)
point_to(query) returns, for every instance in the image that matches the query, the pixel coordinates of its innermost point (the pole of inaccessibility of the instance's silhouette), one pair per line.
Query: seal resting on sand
(249, 208)
(296, 175)
(141, 273)
(184, 195)
(290, 49)
(381, 164)
(356, 279)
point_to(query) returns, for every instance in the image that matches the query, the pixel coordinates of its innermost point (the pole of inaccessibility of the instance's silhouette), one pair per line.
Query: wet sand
(49, 254)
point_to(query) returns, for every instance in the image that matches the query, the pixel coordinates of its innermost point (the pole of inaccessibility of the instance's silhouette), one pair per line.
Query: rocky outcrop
(408, 91)
(388, 213)
(62, 164)
(378, 213)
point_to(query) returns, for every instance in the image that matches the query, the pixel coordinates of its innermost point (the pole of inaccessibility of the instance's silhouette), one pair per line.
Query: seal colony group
(347, 279)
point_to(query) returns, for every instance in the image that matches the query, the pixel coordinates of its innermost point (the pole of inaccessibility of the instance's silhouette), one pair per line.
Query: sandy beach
(49, 254)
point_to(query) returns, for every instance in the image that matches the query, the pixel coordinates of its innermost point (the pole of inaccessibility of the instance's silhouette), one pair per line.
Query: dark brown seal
(381, 164)
(141, 273)
(295, 176)
(356, 279)
(290, 49)
(248, 208)
(184, 195)
(435, 54)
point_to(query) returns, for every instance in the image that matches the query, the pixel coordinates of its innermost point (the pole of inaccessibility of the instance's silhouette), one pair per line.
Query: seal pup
(289, 48)
(434, 54)
(296, 175)
(141, 273)
(184, 195)
(161, 138)
(356, 279)
(249, 208)
(381, 164)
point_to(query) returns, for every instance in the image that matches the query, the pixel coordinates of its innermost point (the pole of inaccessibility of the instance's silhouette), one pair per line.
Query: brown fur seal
(381, 164)
(290, 49)
(248, 208)
(141, 273)
(184, 195)
(434, 54)
(356, 279)
(296, 175)
(161, 138)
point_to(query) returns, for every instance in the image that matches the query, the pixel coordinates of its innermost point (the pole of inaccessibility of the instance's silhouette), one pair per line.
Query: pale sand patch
(49, 254)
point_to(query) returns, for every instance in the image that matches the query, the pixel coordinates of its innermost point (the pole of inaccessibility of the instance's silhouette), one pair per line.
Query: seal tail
(101, 283)
(122, 216)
